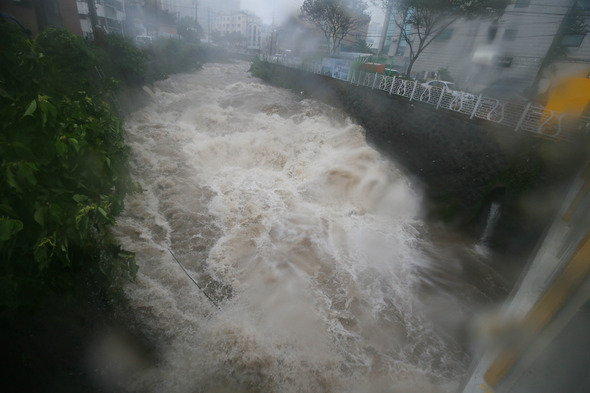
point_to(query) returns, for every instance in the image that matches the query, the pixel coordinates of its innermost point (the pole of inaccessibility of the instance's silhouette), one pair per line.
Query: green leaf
(103, 212)
(80, 198)
(82, 226)
(10, 178)
(25, 171)
(4, 94)
(74, 143)
(61, 148)
(31, 109)
(43, 248)
(39, 215)
(9, 227)
(7, 210)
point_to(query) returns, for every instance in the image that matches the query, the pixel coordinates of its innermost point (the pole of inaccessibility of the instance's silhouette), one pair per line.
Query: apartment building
(245, 23)
(513, 47)
(208, 11)
(109, 15)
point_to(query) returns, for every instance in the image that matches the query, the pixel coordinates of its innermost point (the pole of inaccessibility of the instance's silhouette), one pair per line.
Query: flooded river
(317, 271)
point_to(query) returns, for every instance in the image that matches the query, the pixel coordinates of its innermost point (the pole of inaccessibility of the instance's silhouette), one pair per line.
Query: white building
(209, 10)
(181, 8)
(511, 48)
(245, 23)
(110, 15)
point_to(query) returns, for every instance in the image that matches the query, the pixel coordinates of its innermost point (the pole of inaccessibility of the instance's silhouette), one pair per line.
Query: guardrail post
(413, 90)
(475, 107)
(392, 83)
(522, 117)
(352, 79)
(374, 81)
(358, 81)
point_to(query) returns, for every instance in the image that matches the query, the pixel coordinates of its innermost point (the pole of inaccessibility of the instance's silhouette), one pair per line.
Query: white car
(143, 40)
(449, 88)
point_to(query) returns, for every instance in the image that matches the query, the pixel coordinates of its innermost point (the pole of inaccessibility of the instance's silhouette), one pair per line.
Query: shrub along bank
(63, 160)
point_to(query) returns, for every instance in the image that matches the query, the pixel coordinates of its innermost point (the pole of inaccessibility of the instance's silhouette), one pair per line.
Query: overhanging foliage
(63, 169)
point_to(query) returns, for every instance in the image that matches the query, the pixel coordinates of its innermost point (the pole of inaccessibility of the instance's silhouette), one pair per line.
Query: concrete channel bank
(463, 165)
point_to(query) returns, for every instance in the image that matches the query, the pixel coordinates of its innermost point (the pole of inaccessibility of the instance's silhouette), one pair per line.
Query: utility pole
(272, 31)
(209, 25)
(385, 28)
(157, 6)
(92, 16)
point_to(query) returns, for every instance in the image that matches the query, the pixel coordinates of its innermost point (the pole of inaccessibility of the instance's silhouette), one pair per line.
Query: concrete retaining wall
(461, 164)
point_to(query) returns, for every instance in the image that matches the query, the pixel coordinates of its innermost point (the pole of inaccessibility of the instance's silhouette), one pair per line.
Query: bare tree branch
(422, 21)
(335, 18)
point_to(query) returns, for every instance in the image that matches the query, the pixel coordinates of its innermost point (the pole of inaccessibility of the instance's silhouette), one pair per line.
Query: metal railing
(523, 116)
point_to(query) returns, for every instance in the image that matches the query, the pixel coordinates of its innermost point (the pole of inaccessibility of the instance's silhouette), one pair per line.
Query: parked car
(277, 58)
(436, 83)
(449, 88)
(143, 40)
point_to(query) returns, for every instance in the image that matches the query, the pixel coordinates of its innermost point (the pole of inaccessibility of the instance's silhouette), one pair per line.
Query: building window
(444, 35)
(492, 31)
(509, 35)
(572, 40)
(522, 3)
(401, 48)
(504, 61)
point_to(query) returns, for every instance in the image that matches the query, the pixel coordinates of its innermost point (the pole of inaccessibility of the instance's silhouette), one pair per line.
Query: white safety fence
(517, 116)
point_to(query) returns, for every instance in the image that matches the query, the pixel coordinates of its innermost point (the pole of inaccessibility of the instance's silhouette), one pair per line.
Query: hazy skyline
(265, 9)
(283, 8)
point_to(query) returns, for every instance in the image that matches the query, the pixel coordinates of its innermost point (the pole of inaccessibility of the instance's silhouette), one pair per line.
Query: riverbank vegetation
(64, 169)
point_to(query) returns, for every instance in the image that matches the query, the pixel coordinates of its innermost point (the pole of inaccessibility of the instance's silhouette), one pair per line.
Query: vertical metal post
(522, 117)
(442, 94)
(413, 90)
(475, 107)
(374, 81)
(392, 83)
(352, 79)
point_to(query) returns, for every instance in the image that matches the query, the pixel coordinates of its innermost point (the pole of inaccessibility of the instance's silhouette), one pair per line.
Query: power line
(193, 280)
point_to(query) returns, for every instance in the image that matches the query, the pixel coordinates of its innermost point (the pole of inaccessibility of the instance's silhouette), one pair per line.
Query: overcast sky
(264, 8)
(283, 8)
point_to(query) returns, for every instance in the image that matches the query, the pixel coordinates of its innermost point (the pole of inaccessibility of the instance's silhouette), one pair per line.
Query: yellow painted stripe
(544, 310)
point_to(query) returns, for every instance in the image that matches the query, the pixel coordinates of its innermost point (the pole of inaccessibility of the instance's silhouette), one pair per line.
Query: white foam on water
(304, 235)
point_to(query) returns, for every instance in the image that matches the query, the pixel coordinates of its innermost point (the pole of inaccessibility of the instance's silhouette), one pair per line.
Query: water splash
(310, 242)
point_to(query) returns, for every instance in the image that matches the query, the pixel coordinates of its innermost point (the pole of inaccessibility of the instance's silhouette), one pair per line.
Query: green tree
(189, 29)
(421, 21)
(123, 60)
(361, 46)
(59, 51)
(335, 18)
(63, 171)
(236, 38)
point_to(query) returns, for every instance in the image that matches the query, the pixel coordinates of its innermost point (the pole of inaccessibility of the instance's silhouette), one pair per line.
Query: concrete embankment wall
(462, 164)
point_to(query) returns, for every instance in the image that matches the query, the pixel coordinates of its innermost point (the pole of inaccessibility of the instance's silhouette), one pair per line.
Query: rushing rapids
(310, 242)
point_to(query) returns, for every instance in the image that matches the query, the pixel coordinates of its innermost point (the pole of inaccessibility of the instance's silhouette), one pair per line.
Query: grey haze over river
(309, 241)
